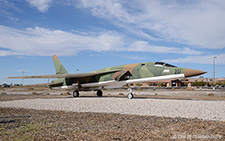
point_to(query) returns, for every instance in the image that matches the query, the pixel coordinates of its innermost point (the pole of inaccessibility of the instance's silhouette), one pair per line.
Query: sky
(88, 35)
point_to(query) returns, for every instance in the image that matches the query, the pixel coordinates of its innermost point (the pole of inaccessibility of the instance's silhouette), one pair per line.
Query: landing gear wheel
(130, 96)
(99, 93)
(75, 93)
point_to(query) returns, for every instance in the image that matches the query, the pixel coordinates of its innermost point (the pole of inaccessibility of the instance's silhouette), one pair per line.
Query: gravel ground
(206, 110)
(27, 124)
(152, 115)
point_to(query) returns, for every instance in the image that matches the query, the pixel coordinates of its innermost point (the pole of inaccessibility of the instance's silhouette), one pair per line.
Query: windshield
(169, 66)
(158, 64)
(161, 64)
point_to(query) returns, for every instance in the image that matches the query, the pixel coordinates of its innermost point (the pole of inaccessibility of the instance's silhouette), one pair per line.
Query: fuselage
(118, 76)
(134, 73)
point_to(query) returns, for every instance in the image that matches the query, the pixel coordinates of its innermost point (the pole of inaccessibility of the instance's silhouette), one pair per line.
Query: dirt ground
(25, 124)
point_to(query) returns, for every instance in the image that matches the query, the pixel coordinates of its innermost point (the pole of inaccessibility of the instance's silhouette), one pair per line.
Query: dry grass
(24, 124)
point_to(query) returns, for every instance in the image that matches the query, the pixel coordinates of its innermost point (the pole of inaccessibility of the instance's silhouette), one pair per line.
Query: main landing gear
(99, 93)
(76, 93)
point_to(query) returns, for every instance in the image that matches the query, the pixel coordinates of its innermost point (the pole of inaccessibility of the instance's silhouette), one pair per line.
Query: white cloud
(144, 46)
(6, 4)
(108, 9)
(208, 59)
(8, 53)
(41, 5)
(199, 23)
(45, 42)
(6, 9)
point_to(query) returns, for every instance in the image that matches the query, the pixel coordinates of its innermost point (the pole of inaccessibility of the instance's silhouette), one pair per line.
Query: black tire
(75, 93)
(130, 96)
(99, 93)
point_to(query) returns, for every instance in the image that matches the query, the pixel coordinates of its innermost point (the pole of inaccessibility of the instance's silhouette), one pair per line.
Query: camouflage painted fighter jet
(114, 77)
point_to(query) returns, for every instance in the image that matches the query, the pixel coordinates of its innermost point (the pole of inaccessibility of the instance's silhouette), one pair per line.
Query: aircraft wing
(46, 84)
(78, 75)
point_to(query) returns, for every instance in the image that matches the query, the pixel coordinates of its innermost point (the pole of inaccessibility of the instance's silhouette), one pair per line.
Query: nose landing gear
(130, 94)
(75, 93)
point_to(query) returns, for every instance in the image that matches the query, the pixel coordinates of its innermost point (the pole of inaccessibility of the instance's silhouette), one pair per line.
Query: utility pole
(22, 76)
(214, 72)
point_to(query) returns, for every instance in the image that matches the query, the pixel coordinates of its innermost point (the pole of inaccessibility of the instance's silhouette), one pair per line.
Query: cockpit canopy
(162, 64)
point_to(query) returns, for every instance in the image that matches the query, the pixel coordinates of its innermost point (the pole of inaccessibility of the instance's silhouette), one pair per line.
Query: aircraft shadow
(125, 97)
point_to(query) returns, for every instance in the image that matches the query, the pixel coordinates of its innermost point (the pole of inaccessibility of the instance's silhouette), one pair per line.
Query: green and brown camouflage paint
(134, 71)
(124, 74)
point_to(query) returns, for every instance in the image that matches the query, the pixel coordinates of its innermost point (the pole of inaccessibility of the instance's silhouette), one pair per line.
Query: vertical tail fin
(59, 68)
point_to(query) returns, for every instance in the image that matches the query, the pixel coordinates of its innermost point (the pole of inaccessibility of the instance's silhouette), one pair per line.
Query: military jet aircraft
(114, 77)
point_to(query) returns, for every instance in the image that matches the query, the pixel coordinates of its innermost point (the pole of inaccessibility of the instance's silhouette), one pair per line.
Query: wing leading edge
(67, 76)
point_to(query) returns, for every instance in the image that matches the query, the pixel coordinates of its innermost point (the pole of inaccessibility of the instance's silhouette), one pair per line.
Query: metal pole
(214, 72)
(22, 76)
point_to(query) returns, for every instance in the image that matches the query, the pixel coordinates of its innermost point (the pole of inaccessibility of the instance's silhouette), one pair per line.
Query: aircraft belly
(63, 87)
(117, 84)
(105, 84)
(157, 78)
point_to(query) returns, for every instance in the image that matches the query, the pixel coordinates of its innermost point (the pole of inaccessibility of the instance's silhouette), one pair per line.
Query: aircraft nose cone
(192, 72)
